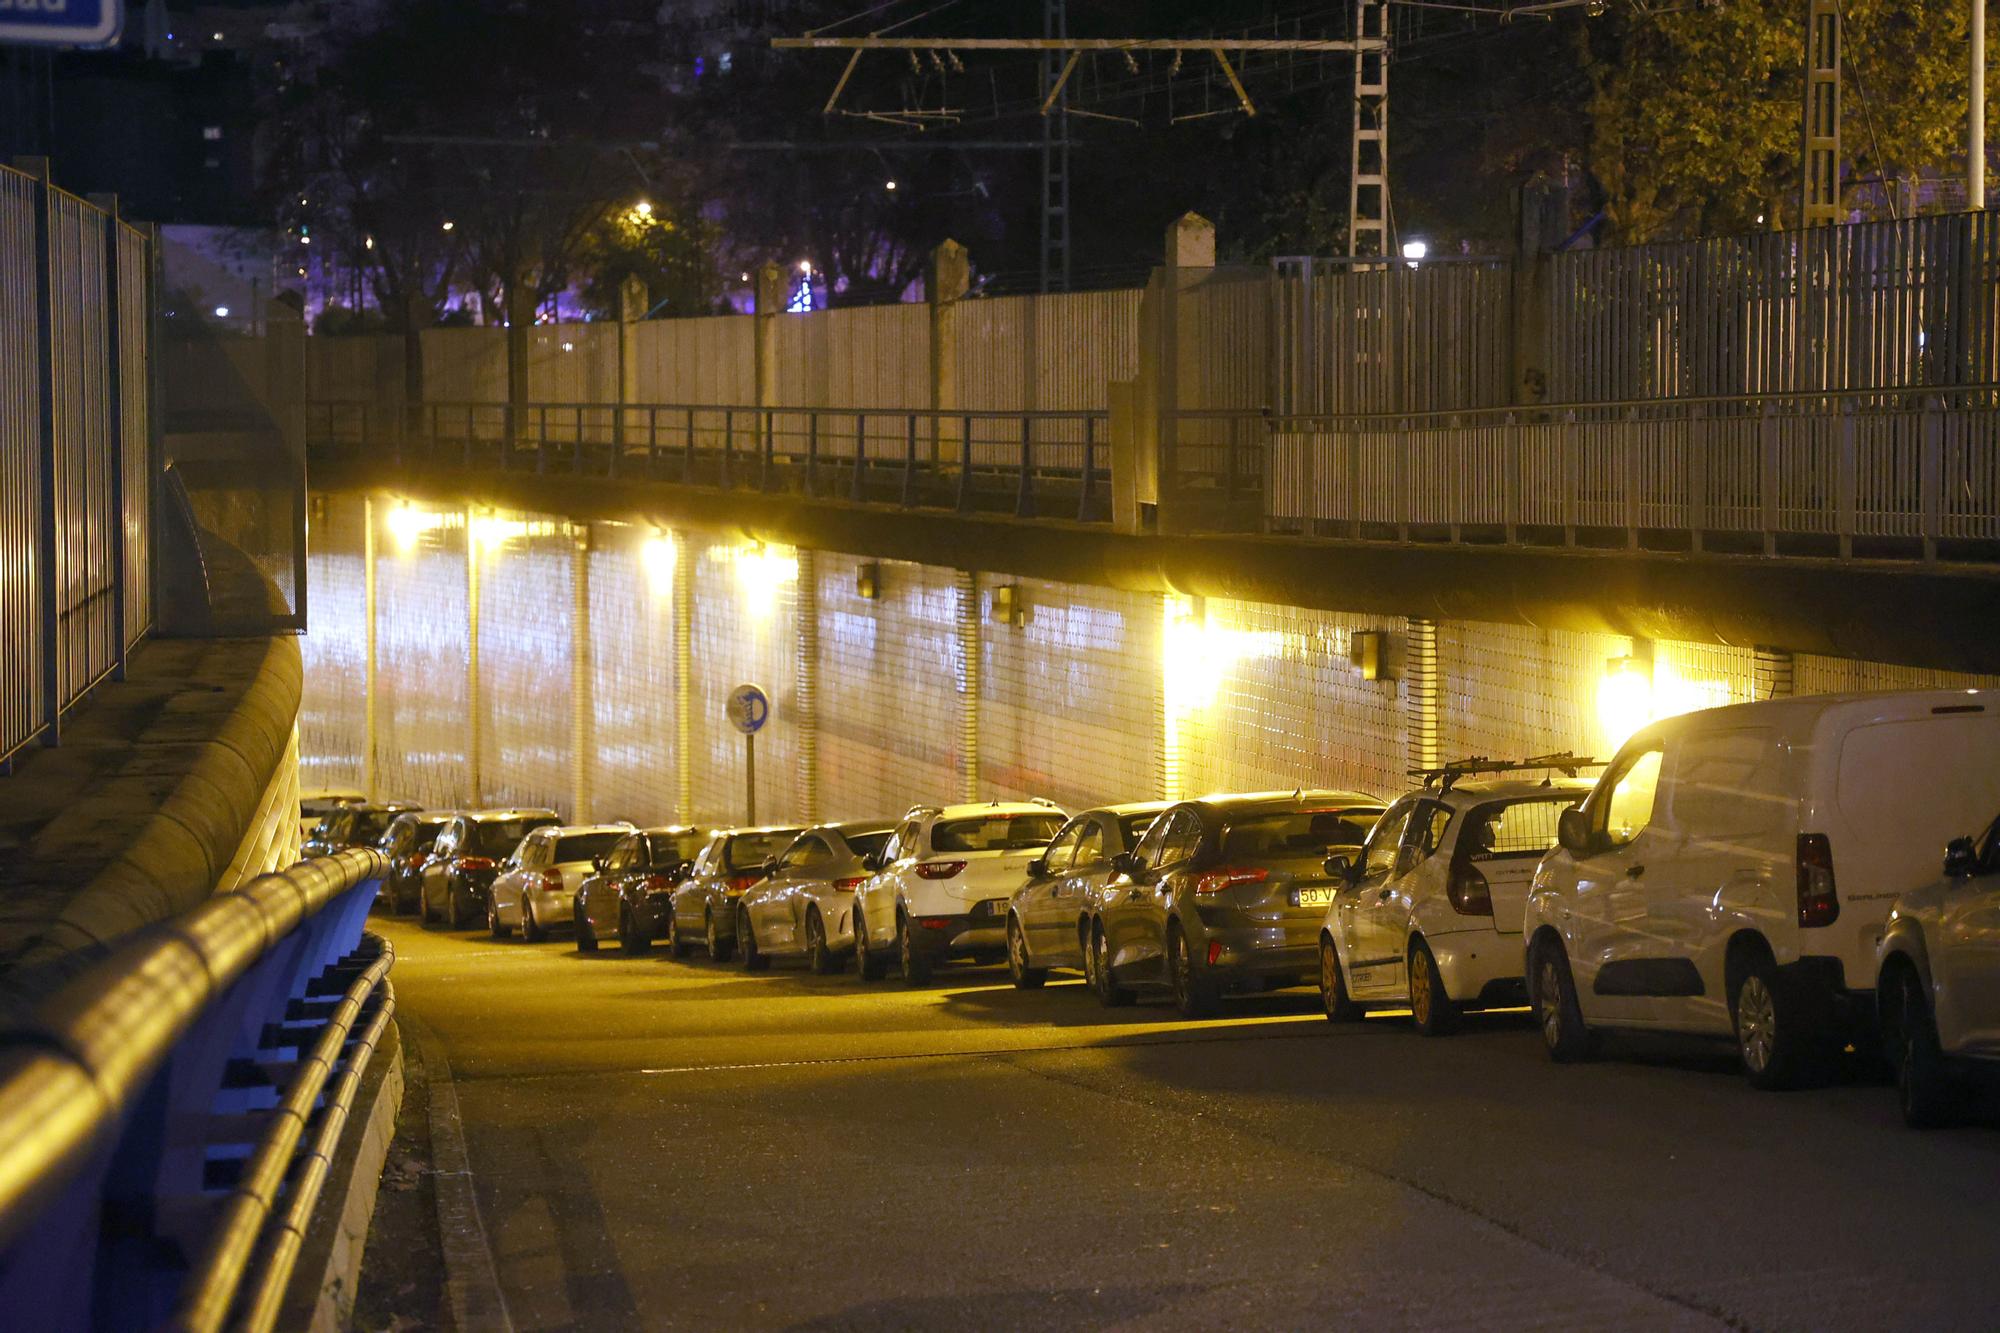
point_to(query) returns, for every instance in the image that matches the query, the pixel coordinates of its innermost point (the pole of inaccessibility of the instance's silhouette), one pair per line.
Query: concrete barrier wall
(1096, 694)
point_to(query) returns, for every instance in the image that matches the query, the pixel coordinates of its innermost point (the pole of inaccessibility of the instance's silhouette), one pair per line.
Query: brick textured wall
(1835, 675)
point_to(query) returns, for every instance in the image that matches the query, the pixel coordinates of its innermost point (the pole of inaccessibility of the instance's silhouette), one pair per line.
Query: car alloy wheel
(1430, 1007)
(1020, 967)
(754, 959)
(493, 926)
(1194, 995)
(819, 959)
(868, 966)
(719, 949)
(531, 929)
(1333, 986)
(1756, 1023)
(1557, 1010)
(916, 967)
(1109, 993)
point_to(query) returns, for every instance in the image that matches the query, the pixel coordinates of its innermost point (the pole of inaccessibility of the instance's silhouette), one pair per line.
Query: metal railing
(1032, 464)
(167, 1119)
(76, 450)
(1885, 473)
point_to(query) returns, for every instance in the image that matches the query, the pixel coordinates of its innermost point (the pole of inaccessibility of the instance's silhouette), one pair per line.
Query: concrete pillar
(473, 789)
(520, 298)
(1771, 674)
(1420, 692)
(971, 682)
(1543, 216)
(1190, 257)
(416, 316)
(634, 300)
(369, 778)
(945, 284)
(684, 556)
(582, 695)
(805, 610)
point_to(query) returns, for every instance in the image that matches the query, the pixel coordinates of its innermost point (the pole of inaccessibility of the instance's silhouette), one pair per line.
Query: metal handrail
(72, 1070)
(1502, 412)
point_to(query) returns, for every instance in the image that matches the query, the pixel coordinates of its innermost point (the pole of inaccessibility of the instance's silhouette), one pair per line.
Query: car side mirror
(1573, 831)
(872, 862)
(1339, 865)
(681, 871)
(1128, 864)
(1038, 867)
(768, 869)
(1961, 860)
(597, 864)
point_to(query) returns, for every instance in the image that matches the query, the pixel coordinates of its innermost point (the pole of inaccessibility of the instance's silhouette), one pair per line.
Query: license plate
(997, 908)
(1317, 896)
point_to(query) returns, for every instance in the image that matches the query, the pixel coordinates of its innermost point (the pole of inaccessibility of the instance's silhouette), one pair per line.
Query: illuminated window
(211, 132)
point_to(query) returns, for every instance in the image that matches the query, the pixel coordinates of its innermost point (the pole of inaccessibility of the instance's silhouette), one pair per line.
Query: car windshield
(498, 837)
(586, 846)
(995, 833)
(747, 851)
(867, 844)
(1515, 828)
(1297, 832)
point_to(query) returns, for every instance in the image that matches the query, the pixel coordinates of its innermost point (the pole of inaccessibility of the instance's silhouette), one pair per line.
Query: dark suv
(407, 842)
(351, 826)
(466, 858)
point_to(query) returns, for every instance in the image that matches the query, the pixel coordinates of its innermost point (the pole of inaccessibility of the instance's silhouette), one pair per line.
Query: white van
(1732, 869)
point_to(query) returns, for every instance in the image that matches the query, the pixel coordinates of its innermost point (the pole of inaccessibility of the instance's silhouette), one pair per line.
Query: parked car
(407, 844)
(629, 894)
(359, 825)
(805, 906)
(536, 889)
(1224, 893)
(315, 802)
(1048, 921)
(939, 889)
(1732, 870)
(1429, 914)
(1938, 980)
(465, 859)
(705, 902)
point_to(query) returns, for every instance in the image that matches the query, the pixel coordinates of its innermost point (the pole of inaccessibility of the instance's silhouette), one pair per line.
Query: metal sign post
(61, 22)
(749, 708)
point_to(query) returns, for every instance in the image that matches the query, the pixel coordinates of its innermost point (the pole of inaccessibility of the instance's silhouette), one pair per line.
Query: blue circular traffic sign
(749, 708)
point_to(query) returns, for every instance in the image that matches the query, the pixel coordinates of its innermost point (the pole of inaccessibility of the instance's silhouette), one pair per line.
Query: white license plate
(997, 908)
(1317, 896)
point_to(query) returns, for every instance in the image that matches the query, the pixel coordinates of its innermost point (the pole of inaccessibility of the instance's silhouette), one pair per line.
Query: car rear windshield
(584, 846)
(498, 837)
(867, 844)
(1135, 826)
(1514, 828)
(746, 851)
(365, 825)
(669, 849)
(995, 833)
(1297, 832)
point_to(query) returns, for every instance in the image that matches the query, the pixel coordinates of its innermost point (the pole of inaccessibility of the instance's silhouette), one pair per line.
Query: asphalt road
(675, 1145)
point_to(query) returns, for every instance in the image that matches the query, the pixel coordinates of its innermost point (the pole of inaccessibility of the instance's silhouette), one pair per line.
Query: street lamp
(449, 225)
(1415, 251)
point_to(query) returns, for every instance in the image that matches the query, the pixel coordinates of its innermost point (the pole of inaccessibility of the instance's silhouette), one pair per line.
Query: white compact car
(805, 906)
(1938, 981)
(1732, 870)
(536, 887)
(940, 889)
(1429, 915)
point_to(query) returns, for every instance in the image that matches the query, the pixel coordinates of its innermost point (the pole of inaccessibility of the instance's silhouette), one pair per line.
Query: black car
(465, 859)
(630, 896)
(352, 826)
(407, 842)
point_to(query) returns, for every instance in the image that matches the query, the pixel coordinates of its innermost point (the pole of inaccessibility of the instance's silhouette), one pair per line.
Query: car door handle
(1383, 896)
(1634, 872)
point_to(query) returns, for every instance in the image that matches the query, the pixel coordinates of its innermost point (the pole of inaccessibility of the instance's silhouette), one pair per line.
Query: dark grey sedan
(1048, 922)
(1225, 893)
(705, 902)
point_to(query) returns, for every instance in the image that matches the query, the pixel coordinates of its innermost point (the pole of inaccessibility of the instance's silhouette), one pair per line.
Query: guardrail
(153, 1112)
(1030, 463)
(1886, 473)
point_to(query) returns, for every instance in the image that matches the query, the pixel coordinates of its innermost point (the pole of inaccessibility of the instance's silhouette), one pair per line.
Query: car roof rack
(1446, 776)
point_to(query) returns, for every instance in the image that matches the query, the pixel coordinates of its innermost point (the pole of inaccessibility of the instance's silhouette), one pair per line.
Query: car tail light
(935, 923)
(1819, 905)
(1215, 881)
(551, 881)
(656, 884)
(738, 883)
(475, 863)
(414, 862)
(939, 869)
(1468, 891)
(850, 884)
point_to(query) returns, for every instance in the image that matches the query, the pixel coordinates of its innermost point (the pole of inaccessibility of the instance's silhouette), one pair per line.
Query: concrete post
(1190, 257)
(805, 610)
(416, 314)
(582, 700)
(684, 557)
(945, 284)
(1420, 692)
(970, 679)
(520, 299)
(1543, 209)
(634, 300)
(770, 294)
(1771, 674)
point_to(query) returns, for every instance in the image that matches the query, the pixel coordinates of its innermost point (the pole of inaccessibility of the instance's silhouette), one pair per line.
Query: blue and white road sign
(61, 22)
(749, 709)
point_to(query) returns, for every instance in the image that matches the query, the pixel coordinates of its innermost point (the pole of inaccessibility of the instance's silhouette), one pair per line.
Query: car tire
(493, 926)
(916, 967)
(1432, 1010)
(1019, 967)
(454, 916)
(1195, 996)
(719, 949)
(868, 965)
(1340, 1007)
(821, 960)
(586, 938)
(423, 907)
(754, 959)
(1923, 1086)
(1109, 993)
(630, 941)
(1557, 1011)
(677, 944)
(531, 929)
(1772, 1036)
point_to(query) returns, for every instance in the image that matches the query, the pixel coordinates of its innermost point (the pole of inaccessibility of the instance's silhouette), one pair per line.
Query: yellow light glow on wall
(658, 556)
(1195, 656)
(491, 530)
(408, 523)
(1638, 690)
(763, 572)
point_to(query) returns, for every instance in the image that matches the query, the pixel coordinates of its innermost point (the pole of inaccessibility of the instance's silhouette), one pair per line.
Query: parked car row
(1764, 873)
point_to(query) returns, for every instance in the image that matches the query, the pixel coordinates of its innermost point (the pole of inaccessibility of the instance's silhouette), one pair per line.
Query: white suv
(1732, 871)
(940, 888)
(1429, 914)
